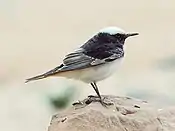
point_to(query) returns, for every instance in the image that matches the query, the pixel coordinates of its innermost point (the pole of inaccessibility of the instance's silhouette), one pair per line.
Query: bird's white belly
(95, 73)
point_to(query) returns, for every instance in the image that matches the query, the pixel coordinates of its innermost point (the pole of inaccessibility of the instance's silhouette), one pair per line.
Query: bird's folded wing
(78, 60)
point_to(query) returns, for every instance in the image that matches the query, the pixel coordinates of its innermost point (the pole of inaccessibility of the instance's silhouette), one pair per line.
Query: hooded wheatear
(95, 60)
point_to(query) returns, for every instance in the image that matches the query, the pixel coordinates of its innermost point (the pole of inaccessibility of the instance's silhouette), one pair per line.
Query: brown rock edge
(126, 114)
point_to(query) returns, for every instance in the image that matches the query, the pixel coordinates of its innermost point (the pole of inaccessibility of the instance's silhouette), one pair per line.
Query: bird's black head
(106, 42)
(114, 35)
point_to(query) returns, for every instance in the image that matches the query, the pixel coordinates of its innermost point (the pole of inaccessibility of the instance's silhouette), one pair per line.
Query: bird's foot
(92, 98)
(105, 103)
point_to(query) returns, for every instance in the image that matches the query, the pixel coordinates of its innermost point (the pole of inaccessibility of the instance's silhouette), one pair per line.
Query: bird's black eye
(119, 36)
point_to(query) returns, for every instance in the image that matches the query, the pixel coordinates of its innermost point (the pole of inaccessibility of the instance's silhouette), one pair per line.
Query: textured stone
(127, 114)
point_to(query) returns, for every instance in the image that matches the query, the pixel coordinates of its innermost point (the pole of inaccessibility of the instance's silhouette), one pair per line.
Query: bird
(95, 60)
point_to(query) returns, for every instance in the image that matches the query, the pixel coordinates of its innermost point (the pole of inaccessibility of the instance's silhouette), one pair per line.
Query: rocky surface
(126, 114)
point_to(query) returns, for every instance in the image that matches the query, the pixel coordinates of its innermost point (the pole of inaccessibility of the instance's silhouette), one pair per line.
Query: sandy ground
(35, 35)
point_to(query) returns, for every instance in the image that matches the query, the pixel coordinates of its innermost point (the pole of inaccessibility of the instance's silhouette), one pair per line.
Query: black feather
(47, 74)
(104, 45)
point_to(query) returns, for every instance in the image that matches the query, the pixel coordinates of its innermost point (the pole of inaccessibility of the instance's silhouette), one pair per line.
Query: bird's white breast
(96, 73)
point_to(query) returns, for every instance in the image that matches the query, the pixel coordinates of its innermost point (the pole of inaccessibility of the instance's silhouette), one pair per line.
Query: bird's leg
(94, 85)
(96, 89)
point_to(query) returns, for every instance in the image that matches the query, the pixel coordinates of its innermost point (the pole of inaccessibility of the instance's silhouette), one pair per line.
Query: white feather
(112, 30)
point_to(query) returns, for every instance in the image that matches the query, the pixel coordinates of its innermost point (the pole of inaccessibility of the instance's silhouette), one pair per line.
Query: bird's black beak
(131, 34)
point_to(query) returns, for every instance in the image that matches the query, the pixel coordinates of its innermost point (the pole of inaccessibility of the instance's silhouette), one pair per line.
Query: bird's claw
(92, 98)
(105, 104)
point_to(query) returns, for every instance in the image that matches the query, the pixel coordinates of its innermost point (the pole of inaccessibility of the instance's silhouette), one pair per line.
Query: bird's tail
(45, 75)
(36, 78)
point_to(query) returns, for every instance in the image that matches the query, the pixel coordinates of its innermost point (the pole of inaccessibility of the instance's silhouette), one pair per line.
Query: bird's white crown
(112, 30)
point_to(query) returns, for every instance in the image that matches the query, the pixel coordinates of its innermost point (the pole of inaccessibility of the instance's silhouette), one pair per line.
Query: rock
(126, 114)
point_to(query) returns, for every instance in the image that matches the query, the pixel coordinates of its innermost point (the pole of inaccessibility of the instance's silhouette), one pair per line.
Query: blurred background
(36, 34)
